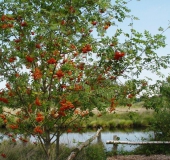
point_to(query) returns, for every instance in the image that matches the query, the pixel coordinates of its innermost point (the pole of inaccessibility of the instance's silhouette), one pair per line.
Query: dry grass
(133, 109)
(19, 151)
(137, 107)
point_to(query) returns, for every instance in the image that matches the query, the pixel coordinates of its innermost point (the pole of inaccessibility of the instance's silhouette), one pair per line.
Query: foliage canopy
(57, 70)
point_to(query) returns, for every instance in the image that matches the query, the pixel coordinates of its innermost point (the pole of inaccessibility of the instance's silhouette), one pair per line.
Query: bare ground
(140, 157)
(120, 110)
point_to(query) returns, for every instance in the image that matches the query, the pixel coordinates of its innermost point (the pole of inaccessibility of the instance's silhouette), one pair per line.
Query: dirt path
(140, 157)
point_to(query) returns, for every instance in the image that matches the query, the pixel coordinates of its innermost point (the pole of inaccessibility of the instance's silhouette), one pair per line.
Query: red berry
(38, 46)
(94, 23)
(23, 24)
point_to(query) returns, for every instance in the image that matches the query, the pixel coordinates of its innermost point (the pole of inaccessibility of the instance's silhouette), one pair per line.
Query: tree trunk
(57, 145)
(47, 144)
(47, 148)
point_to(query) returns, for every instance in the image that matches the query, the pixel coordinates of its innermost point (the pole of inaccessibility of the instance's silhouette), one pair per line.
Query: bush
(152, 149)
(161, 125)
(93, 152)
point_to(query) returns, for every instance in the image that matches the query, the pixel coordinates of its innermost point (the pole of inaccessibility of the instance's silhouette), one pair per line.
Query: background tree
(160, 103)
(57, 71)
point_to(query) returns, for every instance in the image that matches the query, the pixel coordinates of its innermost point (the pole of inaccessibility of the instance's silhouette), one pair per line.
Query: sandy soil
(140, 157)
(127, 109)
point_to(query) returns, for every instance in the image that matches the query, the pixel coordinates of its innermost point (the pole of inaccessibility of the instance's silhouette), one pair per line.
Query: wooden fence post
(82, 145)
(115, 145)
(99, 138)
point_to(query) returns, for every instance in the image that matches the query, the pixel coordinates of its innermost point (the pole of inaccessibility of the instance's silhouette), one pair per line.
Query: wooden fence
(84, 144)
(115, 142)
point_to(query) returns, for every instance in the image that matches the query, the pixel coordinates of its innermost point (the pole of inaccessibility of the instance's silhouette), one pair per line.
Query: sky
(152, 14)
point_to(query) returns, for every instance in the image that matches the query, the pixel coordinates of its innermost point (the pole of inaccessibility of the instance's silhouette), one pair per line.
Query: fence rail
(115, 142)
(137, 143)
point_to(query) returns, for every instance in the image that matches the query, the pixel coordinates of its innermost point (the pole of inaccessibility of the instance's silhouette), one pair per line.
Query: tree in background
(160, 103)
(56, 70)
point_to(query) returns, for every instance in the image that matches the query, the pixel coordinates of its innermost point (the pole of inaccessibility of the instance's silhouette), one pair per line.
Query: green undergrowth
(147, 150)
(29, 151)
(151, 149)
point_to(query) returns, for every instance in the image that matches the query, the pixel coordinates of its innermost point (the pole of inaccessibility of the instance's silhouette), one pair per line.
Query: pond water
(74, 139)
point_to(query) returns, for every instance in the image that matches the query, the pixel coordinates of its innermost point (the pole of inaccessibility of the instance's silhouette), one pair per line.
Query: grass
(29, 151)
(122, 118)
(94, 151)
(19, 151)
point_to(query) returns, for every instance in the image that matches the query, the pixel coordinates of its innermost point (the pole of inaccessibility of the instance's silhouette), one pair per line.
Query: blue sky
(152, 14)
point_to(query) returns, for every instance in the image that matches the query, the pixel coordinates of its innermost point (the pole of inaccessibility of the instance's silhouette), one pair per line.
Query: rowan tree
(56, 70)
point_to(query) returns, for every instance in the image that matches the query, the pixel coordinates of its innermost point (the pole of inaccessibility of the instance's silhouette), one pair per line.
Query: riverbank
(122, 117)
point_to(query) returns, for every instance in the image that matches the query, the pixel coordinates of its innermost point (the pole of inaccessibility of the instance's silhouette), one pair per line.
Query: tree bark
(57, 145)
(47, 143)
(48, 149)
